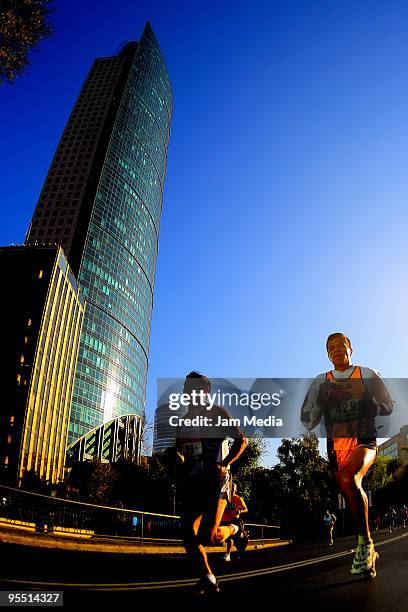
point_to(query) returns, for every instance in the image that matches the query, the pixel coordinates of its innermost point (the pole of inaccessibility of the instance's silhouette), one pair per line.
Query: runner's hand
(214, 536)
(179, 457)
(221, 469)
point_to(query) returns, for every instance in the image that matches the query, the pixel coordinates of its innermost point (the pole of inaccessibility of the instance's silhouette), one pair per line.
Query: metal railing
(47, 513)
(51, 513)
(259, 533)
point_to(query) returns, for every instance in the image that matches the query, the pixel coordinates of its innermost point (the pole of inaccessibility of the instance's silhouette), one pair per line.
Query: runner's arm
(242, 507)
(378, 391)
(311, 411)
(237, 448)
(231, 431)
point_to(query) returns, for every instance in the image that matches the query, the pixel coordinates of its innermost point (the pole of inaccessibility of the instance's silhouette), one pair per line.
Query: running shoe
(364, 560)
(205, 587)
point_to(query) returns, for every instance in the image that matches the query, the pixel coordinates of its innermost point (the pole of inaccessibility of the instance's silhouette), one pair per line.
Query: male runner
(205, 458)
(235, 507)
(404, 516)
(390, 517)
(349, 398)
(329, 520)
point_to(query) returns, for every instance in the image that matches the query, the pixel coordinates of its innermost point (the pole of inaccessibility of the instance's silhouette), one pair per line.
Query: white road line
(136, 586)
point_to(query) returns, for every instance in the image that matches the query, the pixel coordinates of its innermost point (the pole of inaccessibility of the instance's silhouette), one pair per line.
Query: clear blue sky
(285, 208)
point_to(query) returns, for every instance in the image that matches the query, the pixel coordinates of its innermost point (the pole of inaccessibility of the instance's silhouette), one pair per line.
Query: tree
(243, 468)
(380, 473)
(250, 458)
(146, 436)
(265, 495)
(393, 466)
(395, 490)
(146, 486)
(94, 480)
(23, 23)
(32, 482)
(306, 486)
(300, 485)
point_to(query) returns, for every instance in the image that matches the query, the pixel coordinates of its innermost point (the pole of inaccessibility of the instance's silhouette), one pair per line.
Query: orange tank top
(344, 409)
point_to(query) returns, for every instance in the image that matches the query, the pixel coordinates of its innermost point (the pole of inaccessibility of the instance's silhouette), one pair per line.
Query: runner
(376, 522)
(349, 398)
(390, 519)
(235, 507)
(404, 516)
(205, 459)
(330, 521)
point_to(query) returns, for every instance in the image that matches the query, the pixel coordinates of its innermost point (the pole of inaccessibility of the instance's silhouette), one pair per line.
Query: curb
(38, 540)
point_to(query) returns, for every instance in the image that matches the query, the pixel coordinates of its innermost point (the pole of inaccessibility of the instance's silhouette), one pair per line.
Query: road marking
(136, 586)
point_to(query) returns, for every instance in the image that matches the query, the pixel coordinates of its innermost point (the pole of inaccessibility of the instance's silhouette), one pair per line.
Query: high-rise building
(42, 312)
(164, 434)
(102, 201)
(396, 447)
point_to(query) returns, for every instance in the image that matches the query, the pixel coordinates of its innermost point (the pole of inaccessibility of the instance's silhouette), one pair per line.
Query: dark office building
(102, 201)
(42, 312)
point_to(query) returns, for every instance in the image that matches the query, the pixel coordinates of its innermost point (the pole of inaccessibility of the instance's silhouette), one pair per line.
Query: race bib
(347, 410)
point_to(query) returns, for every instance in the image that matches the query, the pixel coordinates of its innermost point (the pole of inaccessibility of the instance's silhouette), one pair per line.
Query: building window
(6, 460)
(21, 358)
(40, 274)
(11, 419)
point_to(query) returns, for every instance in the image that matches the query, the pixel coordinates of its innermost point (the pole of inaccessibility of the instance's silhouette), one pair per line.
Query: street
(312, 575)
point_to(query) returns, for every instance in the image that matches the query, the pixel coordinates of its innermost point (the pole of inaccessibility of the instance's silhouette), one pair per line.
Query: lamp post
(342, 507)
(173, 488)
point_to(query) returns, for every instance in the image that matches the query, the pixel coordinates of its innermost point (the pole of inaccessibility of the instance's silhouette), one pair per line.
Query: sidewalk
(102, 545)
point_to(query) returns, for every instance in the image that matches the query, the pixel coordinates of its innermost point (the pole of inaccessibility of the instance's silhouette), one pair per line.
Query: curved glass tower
(117, 135)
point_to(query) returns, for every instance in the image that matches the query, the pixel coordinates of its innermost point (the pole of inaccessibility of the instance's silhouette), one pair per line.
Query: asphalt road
(313, 577)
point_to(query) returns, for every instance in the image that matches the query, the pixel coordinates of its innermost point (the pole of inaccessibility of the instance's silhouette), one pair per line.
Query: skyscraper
(102, 202)
(42, 312)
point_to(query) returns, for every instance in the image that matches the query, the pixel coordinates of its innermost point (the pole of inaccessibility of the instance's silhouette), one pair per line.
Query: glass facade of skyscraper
(119, 257)
(110, 223)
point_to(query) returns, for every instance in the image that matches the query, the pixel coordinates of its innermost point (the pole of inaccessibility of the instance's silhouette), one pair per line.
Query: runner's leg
(349, 481)
(194, 549)
(220, 534)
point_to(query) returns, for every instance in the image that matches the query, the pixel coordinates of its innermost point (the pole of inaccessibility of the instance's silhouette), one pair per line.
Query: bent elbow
(309, 425)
